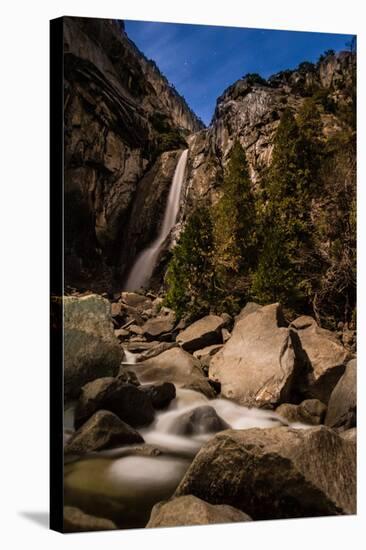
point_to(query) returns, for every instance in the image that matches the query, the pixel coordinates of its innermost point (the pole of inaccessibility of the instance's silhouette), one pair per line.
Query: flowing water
(143, 268)
(124, 483)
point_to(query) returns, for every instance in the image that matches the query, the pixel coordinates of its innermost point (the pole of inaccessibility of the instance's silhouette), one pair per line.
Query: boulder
(250, 307)
(156, 349)
(205, 355)
(276, 472)
(190, 510)
(177, 366)
(201, 420)
(91, 349)
(310, 411)
(76, 521)
(121, 334)
(350, 435)
(257, 366)
(137, 301)
(102, 431)
(161, 395)
(127, 401)
(159, 326)
(202, 333)
(326, 358)
(343, 401)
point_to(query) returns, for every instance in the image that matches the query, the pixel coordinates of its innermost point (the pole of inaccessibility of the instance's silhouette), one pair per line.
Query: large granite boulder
(202, 333)
(276, 472)
(343, 400)
(325, 356)
(177, 366)
(102, 431)
(257, 366)
(190, 510)
(310, 411)
(77, 521)
(127, 401)
(91, 349)
(200, 420)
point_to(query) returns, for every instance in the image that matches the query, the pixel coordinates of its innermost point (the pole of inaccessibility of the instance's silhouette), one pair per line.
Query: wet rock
(177, 366)
(91, 349)
(128, 376)
(276, 472)
(190, 510)
(102, 431)
(257, 366)
(201, 420)
(112, 394)
(326, 358)
(343, 400)
(202, 333)
(310, 411)
(161, 395)
(77, 521)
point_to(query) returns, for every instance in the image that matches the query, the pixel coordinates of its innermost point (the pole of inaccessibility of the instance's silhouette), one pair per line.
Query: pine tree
(190, 272)
(234, 231)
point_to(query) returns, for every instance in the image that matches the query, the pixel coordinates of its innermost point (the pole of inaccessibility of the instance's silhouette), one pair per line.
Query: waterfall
(143, 268)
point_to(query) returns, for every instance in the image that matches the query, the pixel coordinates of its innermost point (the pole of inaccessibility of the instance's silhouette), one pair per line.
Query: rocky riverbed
(221, 420)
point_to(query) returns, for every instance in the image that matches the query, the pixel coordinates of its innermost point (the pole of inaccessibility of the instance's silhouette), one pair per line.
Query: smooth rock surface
(202, 333)
(257, 366)
(343, 400)
(200, 420)
(276, 472)
(102, 431)
(326, 358)
(177, 366)
(91, 349)
(127, 401)
(190, 510)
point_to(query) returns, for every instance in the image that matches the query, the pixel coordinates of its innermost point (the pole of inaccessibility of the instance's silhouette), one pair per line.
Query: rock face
(76, 521)
(119, 113)
(177, 366)
(310, 411)
(256, 367)
(200, 420)
(343, 400)
(326, 358)
(127, 401)
(276, 472)
(202, 333)
(91, 349)
(190, 510)
(102, 431)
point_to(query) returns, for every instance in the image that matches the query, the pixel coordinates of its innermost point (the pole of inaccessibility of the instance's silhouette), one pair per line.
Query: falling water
(145, 263)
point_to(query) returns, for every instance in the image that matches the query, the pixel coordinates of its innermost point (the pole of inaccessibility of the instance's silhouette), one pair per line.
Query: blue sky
(201, 61)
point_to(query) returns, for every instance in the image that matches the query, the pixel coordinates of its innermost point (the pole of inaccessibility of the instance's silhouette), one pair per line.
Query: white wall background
(24, 271)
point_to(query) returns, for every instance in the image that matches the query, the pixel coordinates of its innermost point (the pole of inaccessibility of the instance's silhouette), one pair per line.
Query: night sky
(201, 61)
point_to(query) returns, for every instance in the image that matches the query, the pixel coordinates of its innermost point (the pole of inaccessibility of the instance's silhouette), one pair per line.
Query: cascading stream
(143, 268)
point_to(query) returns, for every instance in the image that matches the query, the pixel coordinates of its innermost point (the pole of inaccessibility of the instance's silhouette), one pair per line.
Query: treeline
(294, 241)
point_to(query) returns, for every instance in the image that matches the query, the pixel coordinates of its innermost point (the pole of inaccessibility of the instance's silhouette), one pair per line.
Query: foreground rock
(161, 395)
(91, 349)
(127, 401)
(75, 520)
(202, 333)
(343, 401)
(177, 366)
(326, 358)
(256, 367)
(190, 510)
(200, 420)
(102, 431)
(276, 472)
(310, 411)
